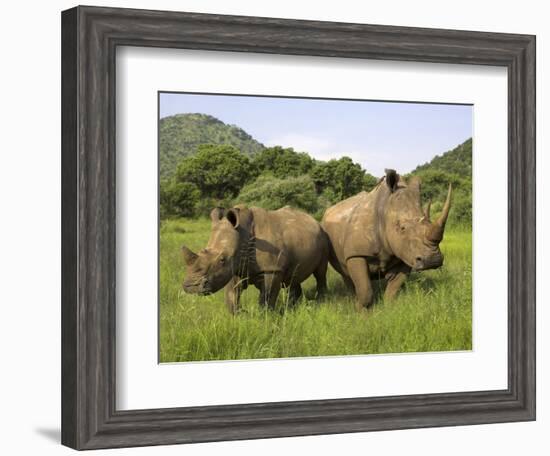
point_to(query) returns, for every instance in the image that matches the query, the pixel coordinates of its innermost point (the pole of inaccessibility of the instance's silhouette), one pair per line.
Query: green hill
(454, 166)
(179, 136)
(456, 161)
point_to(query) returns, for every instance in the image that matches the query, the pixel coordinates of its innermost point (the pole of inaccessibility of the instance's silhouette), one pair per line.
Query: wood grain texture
(69, 205)
(89, 39)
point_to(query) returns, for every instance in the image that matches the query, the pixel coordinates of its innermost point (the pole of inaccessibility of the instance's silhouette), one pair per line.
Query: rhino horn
(438, 227)
(427, 211)
(188, 256)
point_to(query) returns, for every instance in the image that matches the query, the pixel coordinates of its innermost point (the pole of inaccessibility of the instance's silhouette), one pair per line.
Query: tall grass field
(433, 311)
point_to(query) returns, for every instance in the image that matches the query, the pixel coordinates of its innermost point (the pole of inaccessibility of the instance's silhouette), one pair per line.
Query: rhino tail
(331, 253)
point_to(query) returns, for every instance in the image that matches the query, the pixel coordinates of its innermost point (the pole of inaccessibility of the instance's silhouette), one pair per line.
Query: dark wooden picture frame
(90, 36)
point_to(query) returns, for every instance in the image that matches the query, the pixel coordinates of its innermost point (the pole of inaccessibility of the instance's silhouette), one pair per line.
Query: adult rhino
(384, 234)
(267, 249)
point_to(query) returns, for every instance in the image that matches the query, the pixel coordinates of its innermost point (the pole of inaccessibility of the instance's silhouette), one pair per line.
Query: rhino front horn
(438, 227)
(188, 256)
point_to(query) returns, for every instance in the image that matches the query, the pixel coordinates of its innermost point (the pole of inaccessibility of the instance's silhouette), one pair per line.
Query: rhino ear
(233, 215)
(188, 256)
(217, 214)
(391, 179)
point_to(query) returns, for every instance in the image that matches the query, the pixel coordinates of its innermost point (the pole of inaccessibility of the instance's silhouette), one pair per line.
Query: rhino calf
(384, 234)
(268, 249)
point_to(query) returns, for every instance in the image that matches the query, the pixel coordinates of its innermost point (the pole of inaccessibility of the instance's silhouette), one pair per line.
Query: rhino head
(212, 268)
(411, 235)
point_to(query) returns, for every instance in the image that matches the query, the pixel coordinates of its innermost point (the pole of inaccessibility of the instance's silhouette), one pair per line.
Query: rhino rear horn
(427, 210)
(188, 256)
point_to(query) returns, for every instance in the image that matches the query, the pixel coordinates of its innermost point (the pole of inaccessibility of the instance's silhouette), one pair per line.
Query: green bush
(461, 212)
(282, 162)
(219, 171)
(369, 182)
(341, 177)
(178, 199)
(271, 192)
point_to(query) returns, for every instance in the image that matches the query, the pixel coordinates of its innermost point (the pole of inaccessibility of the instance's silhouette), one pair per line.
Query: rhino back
(290, 240)
(352, 227)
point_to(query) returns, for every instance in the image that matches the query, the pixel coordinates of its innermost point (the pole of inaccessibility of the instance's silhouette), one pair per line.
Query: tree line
(220, 175)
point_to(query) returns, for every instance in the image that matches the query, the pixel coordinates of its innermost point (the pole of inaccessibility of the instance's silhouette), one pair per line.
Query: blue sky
(375, 134)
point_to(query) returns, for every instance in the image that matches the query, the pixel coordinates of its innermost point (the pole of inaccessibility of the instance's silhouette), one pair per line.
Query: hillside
(454, 166)
(456, 161)
(179, 136)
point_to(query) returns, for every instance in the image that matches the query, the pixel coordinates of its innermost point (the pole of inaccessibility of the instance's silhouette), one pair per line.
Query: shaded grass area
(433, 311)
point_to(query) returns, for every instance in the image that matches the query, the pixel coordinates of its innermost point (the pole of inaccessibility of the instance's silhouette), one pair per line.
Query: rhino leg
(232, 295)
(349, 284)
(395, 279)
(269, 289)
(321, 277)
(358, 270)
(295, 293)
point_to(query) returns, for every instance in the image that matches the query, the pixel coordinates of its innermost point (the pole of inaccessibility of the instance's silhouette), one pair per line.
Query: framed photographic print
(279, 228)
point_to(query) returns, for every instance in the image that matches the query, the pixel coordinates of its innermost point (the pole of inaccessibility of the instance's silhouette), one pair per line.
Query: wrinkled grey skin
(268, 249)
(384, 234)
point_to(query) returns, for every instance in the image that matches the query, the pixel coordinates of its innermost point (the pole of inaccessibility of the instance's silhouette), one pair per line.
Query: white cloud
(316, 147)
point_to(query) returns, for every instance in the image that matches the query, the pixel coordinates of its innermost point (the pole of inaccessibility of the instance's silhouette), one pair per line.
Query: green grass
(433, 311)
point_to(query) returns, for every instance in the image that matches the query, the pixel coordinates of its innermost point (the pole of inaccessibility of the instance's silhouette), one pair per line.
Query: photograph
(295, 227)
